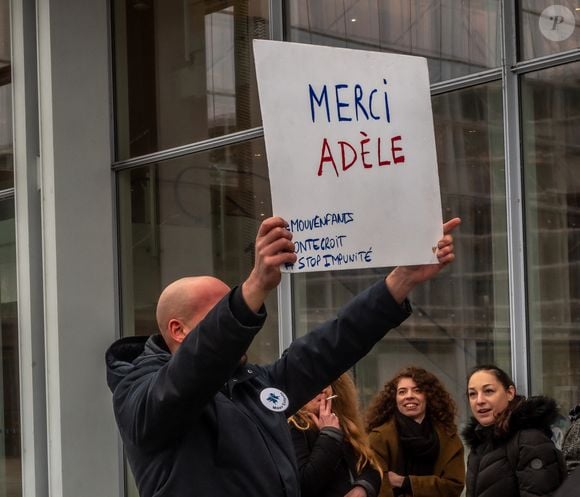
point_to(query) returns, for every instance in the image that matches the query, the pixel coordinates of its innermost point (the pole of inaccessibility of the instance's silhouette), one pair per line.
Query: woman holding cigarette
(412, 430)
(334, 457)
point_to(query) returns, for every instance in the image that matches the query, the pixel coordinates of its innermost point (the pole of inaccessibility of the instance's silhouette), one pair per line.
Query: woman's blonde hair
(346, 407)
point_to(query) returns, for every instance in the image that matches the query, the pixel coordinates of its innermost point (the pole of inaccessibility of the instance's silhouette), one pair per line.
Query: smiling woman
(412, 429)
(411, 400)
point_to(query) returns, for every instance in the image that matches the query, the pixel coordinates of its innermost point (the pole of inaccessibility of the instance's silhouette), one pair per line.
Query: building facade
(132, 153)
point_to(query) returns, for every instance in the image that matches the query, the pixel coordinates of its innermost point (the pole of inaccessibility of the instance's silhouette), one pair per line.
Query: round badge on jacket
(274, 399)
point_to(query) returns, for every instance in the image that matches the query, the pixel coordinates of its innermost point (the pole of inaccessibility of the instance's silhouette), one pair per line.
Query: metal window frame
(31, 348)
(515, 202)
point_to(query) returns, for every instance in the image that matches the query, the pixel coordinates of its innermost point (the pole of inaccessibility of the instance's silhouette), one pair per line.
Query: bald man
(197, 421)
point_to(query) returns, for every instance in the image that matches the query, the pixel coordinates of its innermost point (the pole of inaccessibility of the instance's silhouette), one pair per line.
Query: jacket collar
(127, 353)
(243, 373)
(536, 412)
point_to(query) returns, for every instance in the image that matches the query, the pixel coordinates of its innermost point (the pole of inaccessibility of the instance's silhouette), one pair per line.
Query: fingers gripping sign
(445, 248)
(404, 278)
(274, 248)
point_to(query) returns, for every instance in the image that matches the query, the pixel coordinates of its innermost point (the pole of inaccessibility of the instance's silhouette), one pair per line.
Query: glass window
(548, 27)
(179, 76)
(6, 173)
(461, 318)
(193, 216)
(10, 456)
(457, 38)
(551, 127)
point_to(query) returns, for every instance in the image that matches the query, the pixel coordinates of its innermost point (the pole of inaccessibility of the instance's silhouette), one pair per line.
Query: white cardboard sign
(351, 154)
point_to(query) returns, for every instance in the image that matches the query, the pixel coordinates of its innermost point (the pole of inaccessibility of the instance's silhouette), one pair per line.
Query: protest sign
(351, 154)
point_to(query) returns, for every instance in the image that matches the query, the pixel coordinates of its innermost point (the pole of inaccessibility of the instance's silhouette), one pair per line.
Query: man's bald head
(184, 303)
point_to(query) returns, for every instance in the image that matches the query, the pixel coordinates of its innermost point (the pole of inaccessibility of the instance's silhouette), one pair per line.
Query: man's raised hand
(274, 248)
(404, 278)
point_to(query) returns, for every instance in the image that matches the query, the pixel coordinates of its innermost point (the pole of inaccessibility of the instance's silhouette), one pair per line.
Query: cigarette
(331, 397)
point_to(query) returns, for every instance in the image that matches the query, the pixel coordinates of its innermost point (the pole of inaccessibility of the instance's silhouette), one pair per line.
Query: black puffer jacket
(521, 462)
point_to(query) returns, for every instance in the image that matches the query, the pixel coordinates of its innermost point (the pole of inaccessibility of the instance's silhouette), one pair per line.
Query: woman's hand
(325, 416)
(396, 480)
(356, 491)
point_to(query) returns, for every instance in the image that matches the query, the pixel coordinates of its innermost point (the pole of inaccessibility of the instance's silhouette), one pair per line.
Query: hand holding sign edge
(404, 278)
(273, 248)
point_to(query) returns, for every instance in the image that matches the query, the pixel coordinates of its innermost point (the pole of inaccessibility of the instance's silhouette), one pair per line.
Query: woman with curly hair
(411, 425)
(334, 457)
(512, 453)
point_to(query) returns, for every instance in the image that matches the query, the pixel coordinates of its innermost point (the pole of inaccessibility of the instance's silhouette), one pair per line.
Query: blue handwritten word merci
(346, 100)
(343, 103)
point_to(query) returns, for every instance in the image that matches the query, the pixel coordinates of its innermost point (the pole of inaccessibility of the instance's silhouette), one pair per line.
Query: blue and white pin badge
(274, 399)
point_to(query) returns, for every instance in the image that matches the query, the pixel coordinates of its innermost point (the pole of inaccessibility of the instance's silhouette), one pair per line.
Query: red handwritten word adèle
(362, 152)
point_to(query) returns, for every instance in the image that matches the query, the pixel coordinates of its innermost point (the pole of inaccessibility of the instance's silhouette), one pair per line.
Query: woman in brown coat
(412, 430)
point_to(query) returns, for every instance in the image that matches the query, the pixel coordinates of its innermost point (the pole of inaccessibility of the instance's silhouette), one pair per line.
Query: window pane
(10, 457)
(179, 76)
(457, 38)
(461, 318)
(551, 127)
(195, 215)
(547, 28)
(6, 168)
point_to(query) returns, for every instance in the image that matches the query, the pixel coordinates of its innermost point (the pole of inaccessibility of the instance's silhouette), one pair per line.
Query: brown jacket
(448, 478)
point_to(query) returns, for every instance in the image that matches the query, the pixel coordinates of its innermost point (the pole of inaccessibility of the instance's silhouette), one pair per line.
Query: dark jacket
(521, 462)
(448, 475)
(193, 423)
(570, 487)
(327, 464)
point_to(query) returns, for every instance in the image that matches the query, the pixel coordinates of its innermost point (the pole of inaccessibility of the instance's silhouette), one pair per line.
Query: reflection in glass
(551, 127)
(6, 167)
(461, 318)
(457, 38)
(548, 27)
(193, 216)
(10, 457)
(179, 76)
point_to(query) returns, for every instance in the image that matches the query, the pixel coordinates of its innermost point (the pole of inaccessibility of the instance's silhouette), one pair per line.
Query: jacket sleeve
(317, 466)
(384, 456)
(539, 467)
(449, 483)
(370, 479)
(152, 404)
(313, 361)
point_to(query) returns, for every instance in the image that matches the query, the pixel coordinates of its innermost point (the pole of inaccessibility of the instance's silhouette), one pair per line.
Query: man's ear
(176, 330)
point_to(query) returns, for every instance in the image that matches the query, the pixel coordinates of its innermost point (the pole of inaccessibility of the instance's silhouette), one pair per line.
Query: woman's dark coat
(520, 462)
(327, 464)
